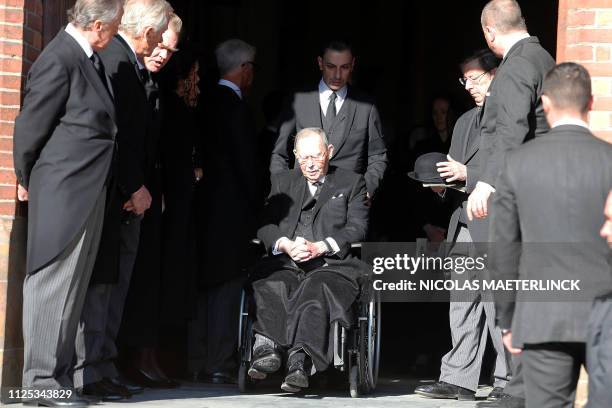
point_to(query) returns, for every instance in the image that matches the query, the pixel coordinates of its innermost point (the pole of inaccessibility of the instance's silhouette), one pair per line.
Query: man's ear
(97, 26)
(330, 151)
(148, 32)
(320, 62)
(590, 104)
(546, 104)
(490, 33)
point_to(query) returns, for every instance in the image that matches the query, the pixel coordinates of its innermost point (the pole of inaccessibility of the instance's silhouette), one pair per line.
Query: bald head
(503, 15)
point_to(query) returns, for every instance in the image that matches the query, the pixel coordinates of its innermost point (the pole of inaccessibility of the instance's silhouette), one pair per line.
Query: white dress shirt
(518, 37)
(325, 94)
(80, 39)
(127, 41)
(570, 121)
(232, 86)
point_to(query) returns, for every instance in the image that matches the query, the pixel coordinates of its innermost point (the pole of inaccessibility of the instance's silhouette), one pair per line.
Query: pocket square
(337, 196)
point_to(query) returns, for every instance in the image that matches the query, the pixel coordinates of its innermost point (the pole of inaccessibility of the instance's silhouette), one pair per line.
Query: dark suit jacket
(230, 194)
(513, 110)
(133, 114)
(133, 121)
(465, 148)
(552, 190)
(340, 212)
(357, 137)
(63, 146)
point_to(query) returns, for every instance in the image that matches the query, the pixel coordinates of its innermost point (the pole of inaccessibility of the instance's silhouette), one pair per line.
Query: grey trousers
(599, 354)
(101, 317)
(472, 320)
(53, 298)
(551, 372)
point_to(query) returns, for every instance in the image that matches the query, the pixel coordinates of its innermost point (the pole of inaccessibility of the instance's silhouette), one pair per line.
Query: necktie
(310, 202)
(99, 66)
(331, 108)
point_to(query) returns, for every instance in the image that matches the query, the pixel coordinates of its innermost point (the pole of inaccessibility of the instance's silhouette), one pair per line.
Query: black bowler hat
(425, 169)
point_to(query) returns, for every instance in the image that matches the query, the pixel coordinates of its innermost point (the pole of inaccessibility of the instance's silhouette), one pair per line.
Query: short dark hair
(484, 58)
(338, 46)
(568, 85)
(505, 15)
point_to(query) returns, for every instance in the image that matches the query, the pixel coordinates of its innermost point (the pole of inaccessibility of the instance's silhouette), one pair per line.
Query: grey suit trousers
(53, 298)
(101, 317)
(472, 320)
(599, 353)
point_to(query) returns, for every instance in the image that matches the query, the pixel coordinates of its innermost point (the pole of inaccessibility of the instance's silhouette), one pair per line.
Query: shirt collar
(321, 180)
(127, 41)
(570, 121)
(516, 39)
(80, 39)
(326, 92)
(232, 86)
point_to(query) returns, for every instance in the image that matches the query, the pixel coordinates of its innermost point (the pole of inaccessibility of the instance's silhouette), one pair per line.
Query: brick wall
(20, 43)
(585, 36)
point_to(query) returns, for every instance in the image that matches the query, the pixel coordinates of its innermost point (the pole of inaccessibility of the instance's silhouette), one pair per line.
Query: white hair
(309, 132)
(85, 12)
(233, 53)
(139, 14)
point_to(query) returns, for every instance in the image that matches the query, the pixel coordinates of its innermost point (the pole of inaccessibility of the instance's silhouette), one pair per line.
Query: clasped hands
(302, 250)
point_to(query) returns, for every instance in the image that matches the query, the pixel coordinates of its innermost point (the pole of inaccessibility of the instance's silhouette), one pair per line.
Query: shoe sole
(290, 388)
(256, 374)
(267, 364)
(446, 396)
(297, 381)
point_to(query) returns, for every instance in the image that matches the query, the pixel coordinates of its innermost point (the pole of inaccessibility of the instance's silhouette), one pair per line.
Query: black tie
(99, 66)
(310, 202)
(331, 108)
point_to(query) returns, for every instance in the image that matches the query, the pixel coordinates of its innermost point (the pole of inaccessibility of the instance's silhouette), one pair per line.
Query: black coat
(230, 194)
(513, 110)
(562, 208)
(133, 121)
(63, 146)
(357, 136)
(340, 213)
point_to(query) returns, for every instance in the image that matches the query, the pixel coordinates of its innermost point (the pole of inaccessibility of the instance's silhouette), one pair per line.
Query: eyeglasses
(304, 159)
(463, 80)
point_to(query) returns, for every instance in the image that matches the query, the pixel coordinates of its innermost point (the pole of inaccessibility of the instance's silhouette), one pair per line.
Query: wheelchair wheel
(368, 357)
(245, 383)
(245, 342)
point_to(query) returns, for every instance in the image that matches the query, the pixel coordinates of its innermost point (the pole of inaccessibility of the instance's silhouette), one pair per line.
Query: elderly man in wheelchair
(310, 279)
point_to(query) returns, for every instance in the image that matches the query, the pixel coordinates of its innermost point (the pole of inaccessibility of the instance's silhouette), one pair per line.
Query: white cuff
(485, 185)
(275, 250)
(332, 243)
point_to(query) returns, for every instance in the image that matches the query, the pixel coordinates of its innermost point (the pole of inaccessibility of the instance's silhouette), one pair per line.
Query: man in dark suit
(141, 30)
(63, 149)
(512, 113)
(471, 314)
(310, 280)
(563, 204)
(599, 346)
(230, 197)
(348, 116)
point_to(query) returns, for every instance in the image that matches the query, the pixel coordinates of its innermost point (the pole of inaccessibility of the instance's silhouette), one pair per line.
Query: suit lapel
(132, 58)
(91, 75)
(471, 143)
(298, 192)
(327, 189)
(343, 123)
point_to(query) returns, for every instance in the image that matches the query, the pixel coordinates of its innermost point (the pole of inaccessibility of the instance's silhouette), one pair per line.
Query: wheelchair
(356, 350)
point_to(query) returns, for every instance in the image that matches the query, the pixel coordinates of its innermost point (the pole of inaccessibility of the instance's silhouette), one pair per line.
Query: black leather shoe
(102, 391)
(220, 377)
(131, 388)
(266, 359)
(296, 379)
(445, 390)
(73, 402)
(114, 383)
(496, 394)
